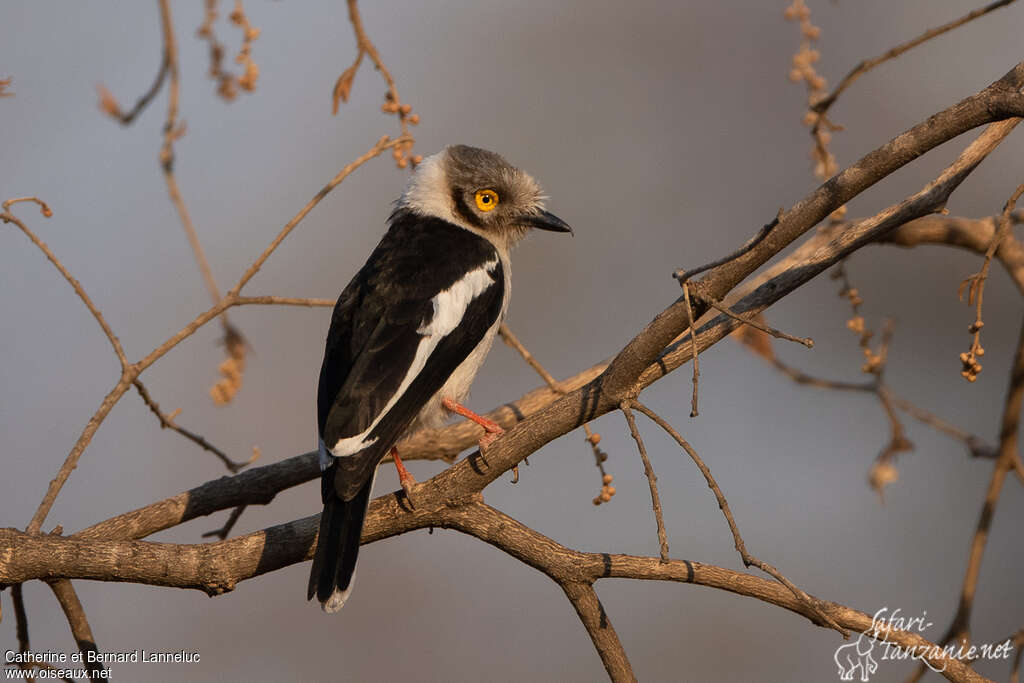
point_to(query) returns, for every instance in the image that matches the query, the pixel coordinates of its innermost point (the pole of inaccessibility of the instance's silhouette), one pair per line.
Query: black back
(374, 335)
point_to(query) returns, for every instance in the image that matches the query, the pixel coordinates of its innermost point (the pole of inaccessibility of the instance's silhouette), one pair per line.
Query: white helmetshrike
(409, 333)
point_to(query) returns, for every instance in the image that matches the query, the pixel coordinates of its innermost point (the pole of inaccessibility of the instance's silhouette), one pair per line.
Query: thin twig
(283, 301)
(883, 469)
(71, 461)
(506, 336)
(976, 446)
(748, 559)
(223, 532)
(693, 349)
(803, 378)
(172, 131)
(234, 342)
(20, 618)
(190, 233)
(393, 103)
(7, 217)
(21, 628)
(382, 144)
(109, 104)
(822, 105)
(1008, 439)
(652, 480)
(233, 367)
(591, 437)
(80, 629)
(754, 322)
(683, 275)
(132, 371)
(976, 290)
(167, 422)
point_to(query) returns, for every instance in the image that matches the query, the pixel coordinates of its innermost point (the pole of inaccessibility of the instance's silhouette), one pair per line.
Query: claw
(404, 478)
(490, 437)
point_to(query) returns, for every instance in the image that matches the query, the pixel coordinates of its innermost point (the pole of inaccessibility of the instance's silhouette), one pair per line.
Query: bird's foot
(490, 437)
(404, 477)
(492, 429)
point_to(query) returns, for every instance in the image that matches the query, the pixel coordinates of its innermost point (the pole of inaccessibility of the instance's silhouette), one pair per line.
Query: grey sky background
(666, 134)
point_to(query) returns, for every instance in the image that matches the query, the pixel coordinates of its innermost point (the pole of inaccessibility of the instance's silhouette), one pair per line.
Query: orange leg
(492, 429)
(404, 478)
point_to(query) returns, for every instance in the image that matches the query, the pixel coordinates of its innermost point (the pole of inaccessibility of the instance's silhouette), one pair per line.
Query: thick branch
(132, 371)
(606, 641)
(217, 567)
(814, 261)
(975, 234)
(167, 422)
(259, 485)
(557, 418)
(597, 397)
(1001, 100)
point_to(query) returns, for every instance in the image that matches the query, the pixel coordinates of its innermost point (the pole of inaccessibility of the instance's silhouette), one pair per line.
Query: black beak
(545, 220)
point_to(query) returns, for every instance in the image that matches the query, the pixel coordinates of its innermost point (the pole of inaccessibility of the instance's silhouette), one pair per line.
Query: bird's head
(481, 192)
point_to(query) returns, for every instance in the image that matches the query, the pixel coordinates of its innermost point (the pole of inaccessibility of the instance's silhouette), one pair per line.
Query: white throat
(427, 193)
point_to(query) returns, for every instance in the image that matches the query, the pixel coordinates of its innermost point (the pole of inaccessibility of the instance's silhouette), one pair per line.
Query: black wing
(375, 333)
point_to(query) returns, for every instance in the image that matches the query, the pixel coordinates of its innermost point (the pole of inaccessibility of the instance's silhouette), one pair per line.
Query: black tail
(341, 525)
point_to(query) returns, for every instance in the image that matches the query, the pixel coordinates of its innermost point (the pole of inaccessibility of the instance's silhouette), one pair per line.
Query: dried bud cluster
(883, 471)
(970, 367)
(881, 475)
(247, 81)
(402, 151)
(231, 369)
(969, 360)
(607, 490)
(227, 83)
(874, 361)
(803, 62)
(856, 324)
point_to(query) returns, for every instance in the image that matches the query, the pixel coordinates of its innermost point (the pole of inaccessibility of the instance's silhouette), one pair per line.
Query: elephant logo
(856, 655)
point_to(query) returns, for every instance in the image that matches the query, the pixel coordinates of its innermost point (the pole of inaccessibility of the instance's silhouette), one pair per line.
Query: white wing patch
(451, 304)
(449, 308)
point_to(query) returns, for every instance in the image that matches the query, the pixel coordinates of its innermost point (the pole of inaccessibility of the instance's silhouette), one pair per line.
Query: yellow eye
(486, 200)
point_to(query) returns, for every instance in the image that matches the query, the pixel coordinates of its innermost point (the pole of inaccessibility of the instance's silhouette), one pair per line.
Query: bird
(409, 333)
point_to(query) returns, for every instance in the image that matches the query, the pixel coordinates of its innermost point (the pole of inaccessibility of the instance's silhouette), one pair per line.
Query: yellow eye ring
(486, 200)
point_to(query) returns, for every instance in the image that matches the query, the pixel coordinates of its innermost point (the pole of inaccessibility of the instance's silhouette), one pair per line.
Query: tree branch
(218, 567)
(606, 641)
(974, 234)
(652, 479)
(80, 629)
(7, 217)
